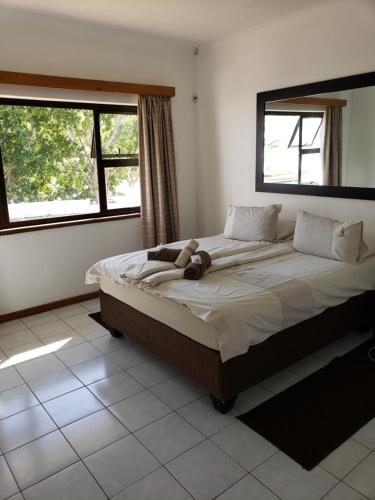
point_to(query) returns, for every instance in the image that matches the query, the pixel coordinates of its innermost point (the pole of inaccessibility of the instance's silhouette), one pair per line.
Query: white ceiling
(194, 21)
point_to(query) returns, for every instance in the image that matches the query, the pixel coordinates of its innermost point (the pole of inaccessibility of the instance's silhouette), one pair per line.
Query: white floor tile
(202, 415)
(18, 496)
(307, 366)
(95, 369)
(9, 377)
(130, 355)
(79, 320)
(244, 445)
(17, 339)
(152, 372)
(40, 367)
(247, 489)
(92, 305)
(7, 482)
(68, 311)
(251, 398)
(121, 464)
(39, 319)
(92, 331)
(17, 399)
(344, 458)
(205, 471)
(113, 389)
(54, 385)
(287, 479)
(102, 424)
(78, 354)
(281, 381)
(19, 353)
(66, 340)
(168, 437)
(342, 346)
(50, 329)
(139, 410)
(158, 485)
(12, 326)
(72, 406)
(177, 391)
(24, 427)
(343, 492)
(330, 351)
(40, 458)
(109, 344)
(366, 435)
(362, 478)
(73, 483)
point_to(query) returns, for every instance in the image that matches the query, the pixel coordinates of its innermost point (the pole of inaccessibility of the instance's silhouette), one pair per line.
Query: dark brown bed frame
(224, 381)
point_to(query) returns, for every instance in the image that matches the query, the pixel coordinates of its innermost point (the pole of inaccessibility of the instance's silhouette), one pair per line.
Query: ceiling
(194, 21)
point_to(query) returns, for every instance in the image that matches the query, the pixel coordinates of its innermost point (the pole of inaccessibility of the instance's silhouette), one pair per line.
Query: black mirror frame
(345, 83)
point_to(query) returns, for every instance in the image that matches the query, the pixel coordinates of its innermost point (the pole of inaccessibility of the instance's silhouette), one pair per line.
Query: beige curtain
(332, 152)
(160, 220)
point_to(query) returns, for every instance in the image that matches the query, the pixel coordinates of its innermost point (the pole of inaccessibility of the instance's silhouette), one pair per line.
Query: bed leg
(223, 406)
(114, 332)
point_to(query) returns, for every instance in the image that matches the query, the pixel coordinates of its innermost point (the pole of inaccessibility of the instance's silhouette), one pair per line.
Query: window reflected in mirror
(323, 139)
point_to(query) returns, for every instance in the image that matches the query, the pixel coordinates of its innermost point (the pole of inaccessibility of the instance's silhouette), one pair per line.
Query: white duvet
(270, 288)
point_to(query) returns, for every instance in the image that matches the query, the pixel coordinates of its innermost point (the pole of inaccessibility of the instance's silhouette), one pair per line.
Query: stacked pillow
(321, 236)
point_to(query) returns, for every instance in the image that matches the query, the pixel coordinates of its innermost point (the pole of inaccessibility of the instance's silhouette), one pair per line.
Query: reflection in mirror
(323, 140)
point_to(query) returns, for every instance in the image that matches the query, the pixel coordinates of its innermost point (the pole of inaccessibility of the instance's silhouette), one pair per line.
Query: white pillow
(252, 223)
(333, 239)
(285, 230)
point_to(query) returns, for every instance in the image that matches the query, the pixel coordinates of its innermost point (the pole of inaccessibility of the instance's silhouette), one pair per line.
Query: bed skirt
(225, 380)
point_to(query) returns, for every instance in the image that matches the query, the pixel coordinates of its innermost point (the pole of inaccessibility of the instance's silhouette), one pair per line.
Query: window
(292, 147)
(64, 161)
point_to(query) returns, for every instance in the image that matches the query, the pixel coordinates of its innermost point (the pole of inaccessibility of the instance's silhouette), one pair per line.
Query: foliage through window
(292, 151)
(63, 161)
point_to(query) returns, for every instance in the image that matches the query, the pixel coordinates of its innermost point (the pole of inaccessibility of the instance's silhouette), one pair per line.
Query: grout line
(359, 442)
(131, 433)
(264, 484)
(369, 451)
(14, 477)
(347, 485)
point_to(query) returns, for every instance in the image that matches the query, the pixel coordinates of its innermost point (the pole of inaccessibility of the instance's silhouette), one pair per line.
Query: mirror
(318, 139)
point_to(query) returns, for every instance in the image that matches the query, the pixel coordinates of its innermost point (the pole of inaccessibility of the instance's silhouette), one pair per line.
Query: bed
(264, 309)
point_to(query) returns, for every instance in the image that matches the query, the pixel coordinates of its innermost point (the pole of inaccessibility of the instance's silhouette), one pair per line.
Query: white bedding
(244, 305)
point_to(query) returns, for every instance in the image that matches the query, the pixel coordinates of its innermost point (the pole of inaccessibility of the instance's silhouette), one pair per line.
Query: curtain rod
(63, 82)
(317, 101)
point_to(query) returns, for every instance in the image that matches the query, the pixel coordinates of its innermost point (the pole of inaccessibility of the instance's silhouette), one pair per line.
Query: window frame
(101, 164)
(299, 127)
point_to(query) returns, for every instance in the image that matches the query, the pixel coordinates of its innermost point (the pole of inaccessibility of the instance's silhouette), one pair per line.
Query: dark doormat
(313, 417)
(98, 318)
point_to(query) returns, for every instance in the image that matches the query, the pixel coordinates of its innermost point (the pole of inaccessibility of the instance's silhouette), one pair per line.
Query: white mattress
(172, 314)
(232, 309)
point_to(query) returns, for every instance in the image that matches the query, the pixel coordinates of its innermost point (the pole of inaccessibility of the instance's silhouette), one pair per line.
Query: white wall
(44, 266)
(332, 40)
(361, 158)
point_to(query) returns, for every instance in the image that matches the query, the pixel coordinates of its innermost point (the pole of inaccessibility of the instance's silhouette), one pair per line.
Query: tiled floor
(84, 416)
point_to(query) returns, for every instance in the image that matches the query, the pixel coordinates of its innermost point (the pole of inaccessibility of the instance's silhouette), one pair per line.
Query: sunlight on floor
(34, 353)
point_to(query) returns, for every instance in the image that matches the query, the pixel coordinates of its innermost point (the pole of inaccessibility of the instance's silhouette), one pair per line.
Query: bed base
(224, 381)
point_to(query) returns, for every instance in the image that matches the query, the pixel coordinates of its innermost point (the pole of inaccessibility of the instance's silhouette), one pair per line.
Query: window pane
(280, 161)
(311, 169)
(123, 187)
(47, 164)
(310, 132)
(119, 135)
